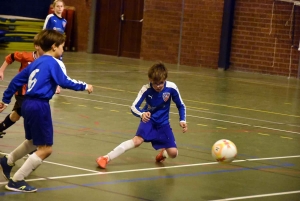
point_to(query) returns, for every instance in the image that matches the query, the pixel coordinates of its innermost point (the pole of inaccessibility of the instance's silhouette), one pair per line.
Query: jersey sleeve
(59, 74)
(47, 22)
(179, 103)
(19, 80)
(16, 56)
(135, 107)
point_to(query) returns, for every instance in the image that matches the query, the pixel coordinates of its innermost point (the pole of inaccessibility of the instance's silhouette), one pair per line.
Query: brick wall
(81, 22)
(253, 47)
(261, 43)
(201, 30)
(161, 30)
(201, 33)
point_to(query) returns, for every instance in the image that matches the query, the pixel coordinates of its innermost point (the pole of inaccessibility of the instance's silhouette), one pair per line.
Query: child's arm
(2, 69)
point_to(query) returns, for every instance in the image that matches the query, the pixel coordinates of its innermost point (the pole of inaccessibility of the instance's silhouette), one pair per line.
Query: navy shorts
(159, 136)
(37, 121)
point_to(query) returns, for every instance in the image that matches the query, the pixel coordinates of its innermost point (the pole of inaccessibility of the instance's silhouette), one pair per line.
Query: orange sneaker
(102, 161)
(160, 158)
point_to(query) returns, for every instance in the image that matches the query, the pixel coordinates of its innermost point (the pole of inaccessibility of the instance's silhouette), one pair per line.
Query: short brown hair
(47, 38)
(158, 72)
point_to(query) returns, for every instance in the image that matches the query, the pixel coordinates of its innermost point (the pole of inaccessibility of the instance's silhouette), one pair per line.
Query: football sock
(20, 151)
(6, 123)
(165, 154)
(124, 146)
(30, 164)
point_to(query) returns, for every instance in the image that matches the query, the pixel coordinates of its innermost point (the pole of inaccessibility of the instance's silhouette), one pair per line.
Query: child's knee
(173, 153)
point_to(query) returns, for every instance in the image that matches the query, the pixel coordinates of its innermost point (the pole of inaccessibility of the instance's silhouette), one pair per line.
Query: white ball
(224, 151)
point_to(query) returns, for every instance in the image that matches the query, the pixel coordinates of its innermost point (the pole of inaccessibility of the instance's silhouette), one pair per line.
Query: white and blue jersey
(53, 22)
(158, 103)
(42, 77)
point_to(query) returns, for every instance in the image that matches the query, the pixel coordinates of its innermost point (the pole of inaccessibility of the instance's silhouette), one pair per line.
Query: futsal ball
(224, 151)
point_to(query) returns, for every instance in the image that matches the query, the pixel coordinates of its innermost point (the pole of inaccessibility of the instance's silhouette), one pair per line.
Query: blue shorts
(159, 136)
(37, 121)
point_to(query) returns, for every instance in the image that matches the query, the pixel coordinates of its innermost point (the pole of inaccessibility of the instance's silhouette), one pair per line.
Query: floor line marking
(145, 169)
(257, 196)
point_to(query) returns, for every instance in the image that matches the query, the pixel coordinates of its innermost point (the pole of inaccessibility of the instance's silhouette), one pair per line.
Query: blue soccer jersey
(42, 77)
(158, 103)
(53, 22)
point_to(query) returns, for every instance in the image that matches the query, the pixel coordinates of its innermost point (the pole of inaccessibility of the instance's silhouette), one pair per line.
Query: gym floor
(259, 113)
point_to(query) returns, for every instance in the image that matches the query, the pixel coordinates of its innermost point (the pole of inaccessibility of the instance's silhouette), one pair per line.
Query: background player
(42, 76)
(25, 58)
(55, 21)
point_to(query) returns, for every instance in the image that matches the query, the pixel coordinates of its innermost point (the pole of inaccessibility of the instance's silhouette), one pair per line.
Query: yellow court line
(199, 108)
(99, 108)
(263, 134)
(221, 127)
(114, 110)
(215, 104)
(82, 105)
(289, 138)
(201, 125)
(66, 103)
(128, 112)
(242, 108)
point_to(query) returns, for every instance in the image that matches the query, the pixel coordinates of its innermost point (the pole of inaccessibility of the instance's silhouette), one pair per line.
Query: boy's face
(59, 50)
(158, 86)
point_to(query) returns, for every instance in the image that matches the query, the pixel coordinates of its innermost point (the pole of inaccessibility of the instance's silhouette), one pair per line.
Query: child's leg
(122, 148)
(23, 149)
(33, 162)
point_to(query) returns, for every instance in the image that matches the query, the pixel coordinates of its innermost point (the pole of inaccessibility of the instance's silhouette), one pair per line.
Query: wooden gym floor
(259, 113)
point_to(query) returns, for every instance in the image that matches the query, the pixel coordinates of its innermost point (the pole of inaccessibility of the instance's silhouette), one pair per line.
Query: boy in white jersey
(154, 126)
(42, 76)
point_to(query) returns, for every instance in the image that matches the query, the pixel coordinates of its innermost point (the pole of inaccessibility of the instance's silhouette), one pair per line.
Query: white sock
(32, 162)
(124, 146)
(23, 149)
(165, 154)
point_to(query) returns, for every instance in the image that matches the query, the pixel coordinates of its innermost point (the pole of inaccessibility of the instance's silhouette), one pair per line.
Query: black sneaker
(20, 186)
(2, 133)
(6, 168)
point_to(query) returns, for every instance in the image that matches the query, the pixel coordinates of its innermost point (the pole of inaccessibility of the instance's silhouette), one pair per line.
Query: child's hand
(2, 106)
(146, 116)
(183, 125)
(90, 88)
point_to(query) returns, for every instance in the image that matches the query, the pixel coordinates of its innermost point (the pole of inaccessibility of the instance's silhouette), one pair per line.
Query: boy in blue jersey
(154, 125)
(42, 77)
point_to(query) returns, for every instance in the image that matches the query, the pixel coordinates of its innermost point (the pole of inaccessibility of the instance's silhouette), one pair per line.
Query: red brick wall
(81, 22)
(161, 30)
(252, 44)
(200, 31)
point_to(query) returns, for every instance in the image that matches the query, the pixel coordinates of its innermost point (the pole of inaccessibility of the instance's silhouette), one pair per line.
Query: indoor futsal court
(259, 113)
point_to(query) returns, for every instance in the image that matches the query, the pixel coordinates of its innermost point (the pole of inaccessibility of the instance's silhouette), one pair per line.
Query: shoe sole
(18, 190)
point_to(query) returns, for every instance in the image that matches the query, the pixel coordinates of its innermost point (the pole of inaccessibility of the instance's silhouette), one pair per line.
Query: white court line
(258, 196)
(144, 169)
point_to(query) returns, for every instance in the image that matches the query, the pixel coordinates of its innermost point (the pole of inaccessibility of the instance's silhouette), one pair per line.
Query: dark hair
(47, 38)
(158, 72)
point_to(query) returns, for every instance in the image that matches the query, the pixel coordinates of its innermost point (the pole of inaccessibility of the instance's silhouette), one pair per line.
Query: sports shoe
(160, 158)
(102, 161)
(6, 168)
(2, 133)
(20, 186)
